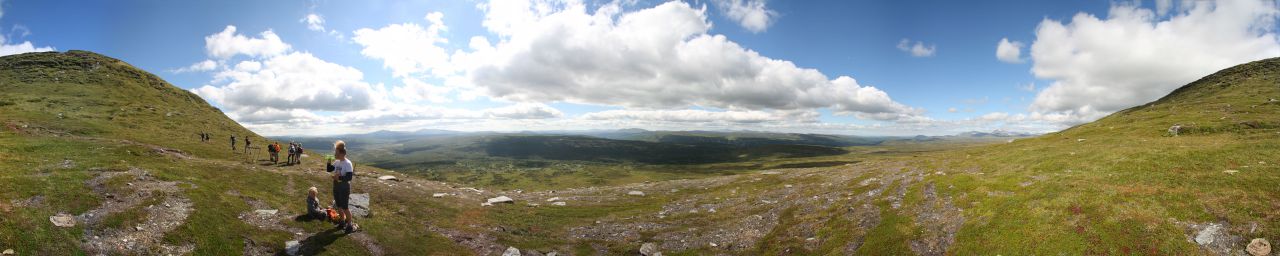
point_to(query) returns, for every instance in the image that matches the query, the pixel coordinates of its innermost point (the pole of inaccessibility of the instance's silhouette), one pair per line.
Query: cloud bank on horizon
(557, 65)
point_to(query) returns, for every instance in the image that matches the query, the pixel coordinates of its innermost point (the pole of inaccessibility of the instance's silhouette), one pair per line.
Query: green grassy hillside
(86, 94)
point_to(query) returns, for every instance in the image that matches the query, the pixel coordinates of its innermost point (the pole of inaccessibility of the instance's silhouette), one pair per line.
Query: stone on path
(635, 193)
(1259, 247)
(388, 177)
(511, 251)
(558, 203)
(553, 199)
(498, 200)
(439, 195)
(63, 220)
(1206, 235)
(264, 212)
(649, 249)
(292, 247)
(360, 205)
(7, 252)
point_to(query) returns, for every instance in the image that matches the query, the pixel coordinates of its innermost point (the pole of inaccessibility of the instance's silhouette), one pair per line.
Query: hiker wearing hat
(343, 172)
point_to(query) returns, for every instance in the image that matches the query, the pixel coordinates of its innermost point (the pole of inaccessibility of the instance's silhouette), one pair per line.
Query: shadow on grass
(316, 243)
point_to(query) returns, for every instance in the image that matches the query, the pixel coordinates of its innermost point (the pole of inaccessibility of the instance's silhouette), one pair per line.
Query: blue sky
(405, 71)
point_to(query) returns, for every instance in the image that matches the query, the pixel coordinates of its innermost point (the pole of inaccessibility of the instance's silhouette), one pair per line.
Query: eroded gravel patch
(145, 237)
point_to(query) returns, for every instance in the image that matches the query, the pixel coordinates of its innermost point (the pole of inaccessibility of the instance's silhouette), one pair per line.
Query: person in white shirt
(343, 172)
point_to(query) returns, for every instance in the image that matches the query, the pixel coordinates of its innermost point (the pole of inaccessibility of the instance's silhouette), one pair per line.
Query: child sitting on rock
(313, 206)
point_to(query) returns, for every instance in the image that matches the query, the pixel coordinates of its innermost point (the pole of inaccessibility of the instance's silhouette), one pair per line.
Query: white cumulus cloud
(660, 57)
(314, 22)
(1009, 51)
(23, 47)
(408, 47)
(228, 43)
(1133, 56)
(202, 66)
(295, 80)
(917, 49)
(753, 15)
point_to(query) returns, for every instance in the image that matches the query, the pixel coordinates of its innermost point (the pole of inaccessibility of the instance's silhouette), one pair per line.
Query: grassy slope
(1121, 185)
(101, 115)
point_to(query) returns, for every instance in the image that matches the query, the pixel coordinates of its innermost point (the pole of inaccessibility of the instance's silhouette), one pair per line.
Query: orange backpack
(333, 214)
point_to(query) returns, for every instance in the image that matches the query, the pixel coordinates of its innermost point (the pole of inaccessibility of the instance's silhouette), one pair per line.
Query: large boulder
(360, 205)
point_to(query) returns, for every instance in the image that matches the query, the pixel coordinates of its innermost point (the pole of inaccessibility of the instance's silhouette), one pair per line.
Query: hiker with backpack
(343, 172)
(233, 143)
(273, 152)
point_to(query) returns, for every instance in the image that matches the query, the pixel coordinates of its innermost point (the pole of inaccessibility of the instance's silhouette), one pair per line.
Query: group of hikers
(294, 149)
(295, 153)
(343, 172)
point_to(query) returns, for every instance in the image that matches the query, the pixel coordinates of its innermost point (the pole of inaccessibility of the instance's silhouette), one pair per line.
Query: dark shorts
(341, 194)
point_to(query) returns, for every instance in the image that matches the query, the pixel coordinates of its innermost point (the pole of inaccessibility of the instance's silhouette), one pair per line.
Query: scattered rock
(1173, 130)
(553, 199)
(63, 220)
(551, 254)
(1259, 247)
(498, 200)
(7, 252)
(360, 205)
(787, 186)
(511, 251)
(770, 173)
(1215, 238)
(1079, 140)
(388, 177)
(1231, 171)
(292, 247)
(558, 203)
(649, 249)
(439, 195)
(266, 212)
(635, 193)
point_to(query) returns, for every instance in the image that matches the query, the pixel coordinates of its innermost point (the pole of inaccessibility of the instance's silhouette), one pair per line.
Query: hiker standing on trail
(233, 143)
(343, 172)
(246, 144)
(292, 149)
